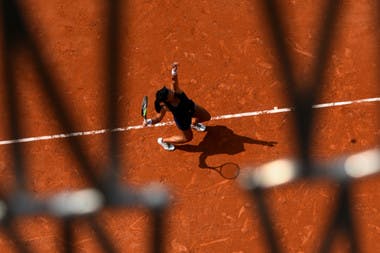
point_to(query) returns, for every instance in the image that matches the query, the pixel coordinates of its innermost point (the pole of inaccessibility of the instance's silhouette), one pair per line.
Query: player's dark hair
(161, 96)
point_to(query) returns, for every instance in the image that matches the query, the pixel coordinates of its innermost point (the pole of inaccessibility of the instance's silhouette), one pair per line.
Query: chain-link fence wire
(109, 192)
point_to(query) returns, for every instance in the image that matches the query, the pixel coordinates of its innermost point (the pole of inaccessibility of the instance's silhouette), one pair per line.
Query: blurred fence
(343, 170)
(107, 191)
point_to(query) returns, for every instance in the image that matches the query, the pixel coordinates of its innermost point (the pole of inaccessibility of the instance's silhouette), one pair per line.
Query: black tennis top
(185, 108)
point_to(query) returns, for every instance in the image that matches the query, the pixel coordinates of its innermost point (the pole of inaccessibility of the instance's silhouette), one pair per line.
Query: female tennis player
(186, 113)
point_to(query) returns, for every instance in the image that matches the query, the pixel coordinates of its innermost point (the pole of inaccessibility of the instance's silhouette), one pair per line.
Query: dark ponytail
(161, 96)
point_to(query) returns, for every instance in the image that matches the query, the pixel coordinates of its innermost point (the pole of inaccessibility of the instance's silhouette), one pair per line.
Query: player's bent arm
(159, 116)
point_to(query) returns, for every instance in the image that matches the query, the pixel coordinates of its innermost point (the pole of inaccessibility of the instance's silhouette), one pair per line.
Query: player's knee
(202, 114)
(205, 115)
(208, 116)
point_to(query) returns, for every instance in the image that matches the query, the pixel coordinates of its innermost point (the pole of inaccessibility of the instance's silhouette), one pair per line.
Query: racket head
(144, 107)
(229, 170)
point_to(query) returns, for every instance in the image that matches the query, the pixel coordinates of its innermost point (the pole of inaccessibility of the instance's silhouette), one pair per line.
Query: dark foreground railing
(107, 190)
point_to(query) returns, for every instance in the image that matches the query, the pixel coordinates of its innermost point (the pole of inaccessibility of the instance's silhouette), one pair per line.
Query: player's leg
(185, 134)
(200, 115)
(168, 142)
(183, 137)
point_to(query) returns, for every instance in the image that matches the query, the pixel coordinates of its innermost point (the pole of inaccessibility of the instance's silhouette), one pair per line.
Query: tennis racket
(227, 170)
(144, 107)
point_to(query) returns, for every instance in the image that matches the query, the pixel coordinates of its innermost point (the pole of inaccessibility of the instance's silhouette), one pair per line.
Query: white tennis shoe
(199, 127)
(167, 146)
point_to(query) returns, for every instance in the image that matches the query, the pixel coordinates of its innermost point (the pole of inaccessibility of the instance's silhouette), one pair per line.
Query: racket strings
(229, 170)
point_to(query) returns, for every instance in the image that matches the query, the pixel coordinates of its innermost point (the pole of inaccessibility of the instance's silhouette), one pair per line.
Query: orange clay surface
(228, 65)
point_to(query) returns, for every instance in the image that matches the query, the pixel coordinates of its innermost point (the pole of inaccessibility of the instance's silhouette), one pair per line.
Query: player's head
(161, 96)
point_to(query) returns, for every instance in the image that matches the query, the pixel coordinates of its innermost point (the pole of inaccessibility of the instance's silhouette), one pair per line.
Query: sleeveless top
(185, 107)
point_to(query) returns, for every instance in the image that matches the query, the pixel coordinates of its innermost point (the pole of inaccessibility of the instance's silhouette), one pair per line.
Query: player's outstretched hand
(174, 69)
(147, 122)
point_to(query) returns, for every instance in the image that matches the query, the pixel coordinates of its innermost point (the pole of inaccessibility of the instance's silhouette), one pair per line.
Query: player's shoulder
(179, 92)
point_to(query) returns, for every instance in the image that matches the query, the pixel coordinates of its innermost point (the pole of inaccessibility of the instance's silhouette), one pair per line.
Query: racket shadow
(218, 140)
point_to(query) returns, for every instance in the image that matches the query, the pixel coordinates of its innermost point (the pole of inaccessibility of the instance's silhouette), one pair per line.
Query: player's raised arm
(175, 85)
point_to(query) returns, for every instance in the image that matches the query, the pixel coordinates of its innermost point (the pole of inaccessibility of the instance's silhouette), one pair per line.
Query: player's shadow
(221, 140)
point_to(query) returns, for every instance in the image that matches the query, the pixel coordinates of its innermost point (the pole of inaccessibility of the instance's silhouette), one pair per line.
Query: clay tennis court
(228, 65)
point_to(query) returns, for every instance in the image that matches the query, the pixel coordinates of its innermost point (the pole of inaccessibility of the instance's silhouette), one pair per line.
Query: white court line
(227, 116)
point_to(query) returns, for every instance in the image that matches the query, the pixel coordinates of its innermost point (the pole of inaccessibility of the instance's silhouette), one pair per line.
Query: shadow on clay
(221, 140)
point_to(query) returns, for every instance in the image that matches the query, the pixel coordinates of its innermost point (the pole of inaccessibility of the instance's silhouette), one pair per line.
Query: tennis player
(187, 115)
